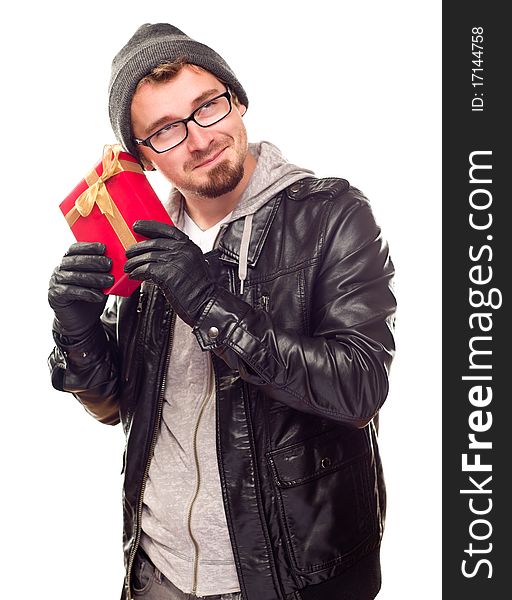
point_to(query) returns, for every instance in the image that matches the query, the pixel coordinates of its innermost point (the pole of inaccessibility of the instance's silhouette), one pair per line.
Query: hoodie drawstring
(244, 251)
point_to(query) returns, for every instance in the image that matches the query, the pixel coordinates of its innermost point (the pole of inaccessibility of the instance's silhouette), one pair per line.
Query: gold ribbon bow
(97, 193)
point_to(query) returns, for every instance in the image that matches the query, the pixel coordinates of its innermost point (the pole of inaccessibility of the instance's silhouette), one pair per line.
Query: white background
(346, 89)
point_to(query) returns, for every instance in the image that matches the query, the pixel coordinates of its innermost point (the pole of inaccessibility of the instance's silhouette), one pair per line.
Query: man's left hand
(174, 263)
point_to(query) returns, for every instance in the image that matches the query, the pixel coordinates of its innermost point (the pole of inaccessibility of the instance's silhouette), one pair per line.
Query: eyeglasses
(175, 133)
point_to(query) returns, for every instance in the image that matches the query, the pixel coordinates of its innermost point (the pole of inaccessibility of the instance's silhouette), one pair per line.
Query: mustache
(200, 156)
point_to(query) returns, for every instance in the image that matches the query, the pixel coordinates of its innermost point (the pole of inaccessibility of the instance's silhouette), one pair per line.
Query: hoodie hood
(272, 174)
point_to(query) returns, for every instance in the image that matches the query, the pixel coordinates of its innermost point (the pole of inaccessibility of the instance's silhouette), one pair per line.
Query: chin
(222, 179)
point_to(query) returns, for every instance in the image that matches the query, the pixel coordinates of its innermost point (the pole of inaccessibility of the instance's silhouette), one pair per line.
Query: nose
(199, 138)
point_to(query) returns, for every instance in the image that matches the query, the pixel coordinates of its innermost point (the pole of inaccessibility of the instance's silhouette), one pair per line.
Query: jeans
(150, 584)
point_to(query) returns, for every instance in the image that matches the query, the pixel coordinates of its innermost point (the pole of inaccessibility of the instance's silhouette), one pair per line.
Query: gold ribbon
(97, 193)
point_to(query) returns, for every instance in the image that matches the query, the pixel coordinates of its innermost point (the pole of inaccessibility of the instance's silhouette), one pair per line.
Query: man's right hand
(75, 291)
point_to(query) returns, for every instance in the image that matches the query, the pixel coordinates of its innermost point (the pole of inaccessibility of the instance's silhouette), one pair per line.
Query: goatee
(222, 179)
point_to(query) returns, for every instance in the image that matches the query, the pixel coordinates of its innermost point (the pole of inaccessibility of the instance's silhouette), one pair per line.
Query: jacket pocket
(326, 495)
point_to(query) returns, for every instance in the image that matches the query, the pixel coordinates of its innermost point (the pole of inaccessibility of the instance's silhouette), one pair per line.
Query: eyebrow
(170, 119)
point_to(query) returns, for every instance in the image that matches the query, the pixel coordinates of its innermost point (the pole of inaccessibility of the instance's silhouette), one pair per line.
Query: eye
(169, 132)
(168, 128)
(209, 107)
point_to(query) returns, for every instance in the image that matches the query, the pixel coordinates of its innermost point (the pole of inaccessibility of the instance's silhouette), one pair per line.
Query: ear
(242, 109)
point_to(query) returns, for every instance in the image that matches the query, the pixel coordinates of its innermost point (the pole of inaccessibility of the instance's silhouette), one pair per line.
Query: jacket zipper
(372, 436)
(198, 479)
(150, 455)
(138, 310)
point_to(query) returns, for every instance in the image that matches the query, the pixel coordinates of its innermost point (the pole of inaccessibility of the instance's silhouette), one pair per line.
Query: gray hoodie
(184, 525)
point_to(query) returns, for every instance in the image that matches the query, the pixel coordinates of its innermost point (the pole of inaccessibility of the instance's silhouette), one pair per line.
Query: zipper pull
(264, 302)
(141, 296)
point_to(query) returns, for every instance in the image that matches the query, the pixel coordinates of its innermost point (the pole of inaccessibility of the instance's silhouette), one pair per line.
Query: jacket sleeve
(88, 369)
(340, 371)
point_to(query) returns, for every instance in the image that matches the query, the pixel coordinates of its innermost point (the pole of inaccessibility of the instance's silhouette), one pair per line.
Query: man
(249, 371)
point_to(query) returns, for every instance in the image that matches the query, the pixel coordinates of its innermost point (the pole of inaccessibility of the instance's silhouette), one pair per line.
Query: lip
(210, 160)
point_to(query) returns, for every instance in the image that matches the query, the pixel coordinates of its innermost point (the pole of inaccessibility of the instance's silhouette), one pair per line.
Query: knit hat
(150, 46)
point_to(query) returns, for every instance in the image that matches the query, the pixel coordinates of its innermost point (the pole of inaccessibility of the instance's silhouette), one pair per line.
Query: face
(210, 162)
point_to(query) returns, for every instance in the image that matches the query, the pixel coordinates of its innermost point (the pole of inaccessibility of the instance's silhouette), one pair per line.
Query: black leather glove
(75, 290)
(174, 263)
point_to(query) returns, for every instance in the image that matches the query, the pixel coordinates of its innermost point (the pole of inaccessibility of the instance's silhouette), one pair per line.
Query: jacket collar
(231, 234)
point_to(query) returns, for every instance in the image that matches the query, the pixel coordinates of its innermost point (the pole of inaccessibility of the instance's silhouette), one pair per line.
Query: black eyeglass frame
(147, 141)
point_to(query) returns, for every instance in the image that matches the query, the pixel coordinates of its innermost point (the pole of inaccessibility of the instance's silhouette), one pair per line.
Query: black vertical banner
(477, 343)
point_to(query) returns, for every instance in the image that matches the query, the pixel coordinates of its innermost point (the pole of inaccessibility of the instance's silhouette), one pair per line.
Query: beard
(222, 179)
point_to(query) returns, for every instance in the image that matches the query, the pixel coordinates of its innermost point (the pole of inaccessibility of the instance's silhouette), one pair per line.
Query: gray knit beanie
(150, 46)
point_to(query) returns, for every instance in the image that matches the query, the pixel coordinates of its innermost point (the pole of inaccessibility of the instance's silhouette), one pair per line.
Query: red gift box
(104, 206)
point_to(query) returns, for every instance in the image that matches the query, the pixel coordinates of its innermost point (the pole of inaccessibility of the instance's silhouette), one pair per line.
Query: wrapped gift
(106, 203)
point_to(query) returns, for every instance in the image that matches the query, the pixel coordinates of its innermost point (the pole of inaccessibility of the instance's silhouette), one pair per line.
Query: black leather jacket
(301, 364)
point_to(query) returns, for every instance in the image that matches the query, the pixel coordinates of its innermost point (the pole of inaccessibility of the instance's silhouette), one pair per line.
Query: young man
(249, 371)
